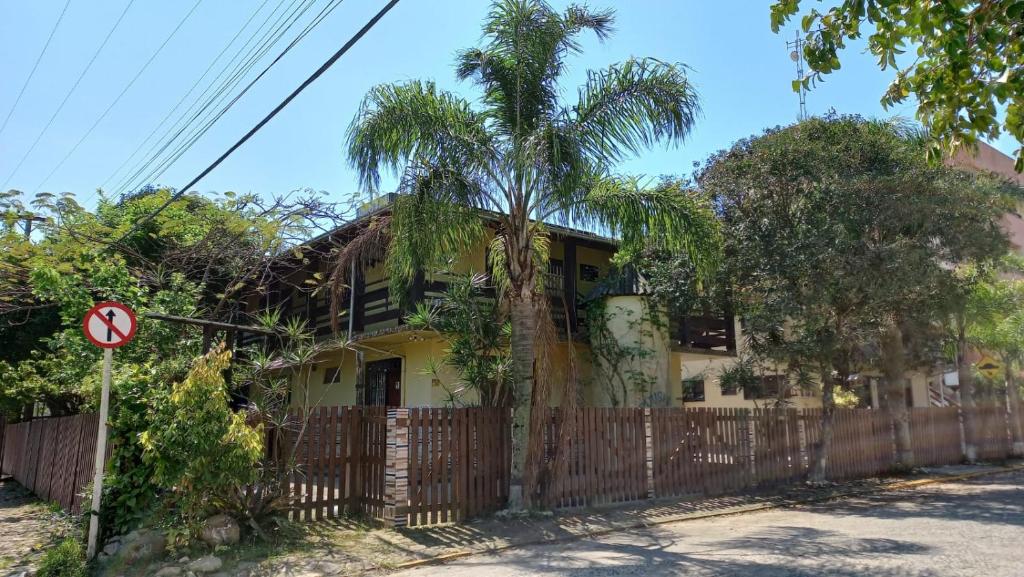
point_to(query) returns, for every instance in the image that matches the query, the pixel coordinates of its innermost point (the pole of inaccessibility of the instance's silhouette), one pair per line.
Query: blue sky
(741, 69)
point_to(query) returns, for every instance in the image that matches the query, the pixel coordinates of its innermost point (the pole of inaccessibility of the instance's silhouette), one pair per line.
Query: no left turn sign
(109, 325)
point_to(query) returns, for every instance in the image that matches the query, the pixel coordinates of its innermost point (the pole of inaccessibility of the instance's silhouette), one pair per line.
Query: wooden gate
(459, 463)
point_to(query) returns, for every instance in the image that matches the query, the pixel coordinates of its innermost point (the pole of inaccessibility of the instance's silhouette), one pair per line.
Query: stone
(220, 530)
(207, 564)
(185, 560)
(169, 571)
(111, 547)
(142, 546)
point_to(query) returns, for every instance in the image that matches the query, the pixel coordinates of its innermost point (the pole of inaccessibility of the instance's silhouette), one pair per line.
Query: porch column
(396, 468)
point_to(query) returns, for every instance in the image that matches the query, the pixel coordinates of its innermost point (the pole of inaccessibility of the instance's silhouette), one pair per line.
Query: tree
(996, 327)
(199, 257)
(969, 60)
(528, 158)
(837, 233)
(478, 341)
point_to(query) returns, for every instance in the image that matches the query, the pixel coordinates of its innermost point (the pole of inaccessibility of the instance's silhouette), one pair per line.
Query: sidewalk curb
(779, 504)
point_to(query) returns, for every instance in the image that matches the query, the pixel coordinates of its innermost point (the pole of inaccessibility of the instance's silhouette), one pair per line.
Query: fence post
(649, 446)
(396, 468)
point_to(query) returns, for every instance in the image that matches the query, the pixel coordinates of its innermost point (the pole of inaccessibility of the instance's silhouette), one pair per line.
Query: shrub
(199, 450)
(65, 560)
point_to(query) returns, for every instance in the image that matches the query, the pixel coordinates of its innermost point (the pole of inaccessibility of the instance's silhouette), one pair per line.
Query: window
(768, 388)
(909, 393)
(589, 273)
(332, 375)
(693, 390)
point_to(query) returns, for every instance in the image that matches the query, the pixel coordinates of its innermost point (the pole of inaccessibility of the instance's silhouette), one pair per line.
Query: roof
(377, 208)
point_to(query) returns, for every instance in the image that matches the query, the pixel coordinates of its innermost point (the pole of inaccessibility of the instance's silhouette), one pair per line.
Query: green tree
(996, 327)
(477, 338)
(528, 158)
(837, 233)
(201, 451)
(967, 65)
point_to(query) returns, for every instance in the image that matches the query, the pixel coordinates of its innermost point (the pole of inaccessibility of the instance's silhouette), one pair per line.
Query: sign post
(107, 325)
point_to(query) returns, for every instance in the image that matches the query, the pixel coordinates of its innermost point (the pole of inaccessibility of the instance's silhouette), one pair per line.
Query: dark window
(767, 388)
(589, 273)
(909, 392)
(332, 375)
(693, 390)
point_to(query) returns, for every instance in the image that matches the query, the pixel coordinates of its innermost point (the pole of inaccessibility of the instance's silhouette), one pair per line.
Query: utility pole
(796, 48)
(29, 219)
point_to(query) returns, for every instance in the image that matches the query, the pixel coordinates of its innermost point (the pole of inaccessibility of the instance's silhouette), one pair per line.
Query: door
(384, 383)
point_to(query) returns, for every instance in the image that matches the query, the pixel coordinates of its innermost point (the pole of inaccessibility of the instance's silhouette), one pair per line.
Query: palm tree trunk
(523, 313)
(967, 403)
(893, 358)
(1013, 402)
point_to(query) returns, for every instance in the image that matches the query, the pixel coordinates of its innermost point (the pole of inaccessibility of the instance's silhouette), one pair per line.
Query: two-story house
(374, 358)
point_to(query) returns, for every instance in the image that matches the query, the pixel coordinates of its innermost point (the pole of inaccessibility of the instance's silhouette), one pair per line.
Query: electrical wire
(182, 100)
(239, 71)
(69, 93)
(305, 84)
(124, 91)
(196, 135)
(34, 67)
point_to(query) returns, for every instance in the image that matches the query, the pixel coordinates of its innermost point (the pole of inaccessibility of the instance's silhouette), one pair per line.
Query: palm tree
(527, 158)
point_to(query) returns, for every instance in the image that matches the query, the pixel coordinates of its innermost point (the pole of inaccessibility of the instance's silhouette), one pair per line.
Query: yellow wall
(635, 327)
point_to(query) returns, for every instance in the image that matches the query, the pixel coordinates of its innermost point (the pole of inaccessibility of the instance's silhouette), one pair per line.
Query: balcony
(704, 334)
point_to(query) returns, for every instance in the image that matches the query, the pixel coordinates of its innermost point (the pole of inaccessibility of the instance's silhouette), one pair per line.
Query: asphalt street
(969, 528)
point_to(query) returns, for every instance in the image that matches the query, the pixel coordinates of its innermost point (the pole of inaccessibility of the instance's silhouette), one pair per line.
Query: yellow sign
(990, 367)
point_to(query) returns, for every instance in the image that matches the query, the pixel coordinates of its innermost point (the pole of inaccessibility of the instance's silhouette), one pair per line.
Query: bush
(200, 451)
(65, 560)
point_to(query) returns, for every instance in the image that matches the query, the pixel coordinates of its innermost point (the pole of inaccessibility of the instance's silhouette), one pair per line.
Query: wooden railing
(705, 333)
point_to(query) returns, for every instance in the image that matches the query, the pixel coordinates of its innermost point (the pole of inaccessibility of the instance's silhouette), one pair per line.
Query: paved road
(971, 528)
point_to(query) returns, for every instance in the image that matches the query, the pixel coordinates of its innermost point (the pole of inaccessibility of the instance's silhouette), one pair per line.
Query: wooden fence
(935, 436)
(52, 457)
(605, 462)
(339, 461)
(991, 430)
(458, 463)
(428, 466)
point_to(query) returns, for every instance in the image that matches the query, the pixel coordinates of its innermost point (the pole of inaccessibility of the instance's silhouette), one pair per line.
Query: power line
(121, 95)
(35, 66)
(197, 134)
(69, 93)
(187, 94)
(312, 78)
(237, 73)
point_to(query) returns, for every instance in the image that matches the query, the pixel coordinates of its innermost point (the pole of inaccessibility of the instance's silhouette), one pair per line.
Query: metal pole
(101, 451)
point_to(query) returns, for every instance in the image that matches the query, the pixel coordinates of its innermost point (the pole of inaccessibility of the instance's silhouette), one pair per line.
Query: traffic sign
(109, 325)
(990, 367)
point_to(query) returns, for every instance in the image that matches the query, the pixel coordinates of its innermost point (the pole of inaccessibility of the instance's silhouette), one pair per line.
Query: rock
(207, 564)
(220, 530)
(184, 560)
(111, 547)
(169, 571)
(142, 546)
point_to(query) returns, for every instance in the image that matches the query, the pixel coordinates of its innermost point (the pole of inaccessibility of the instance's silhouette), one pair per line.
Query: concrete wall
(636, 327)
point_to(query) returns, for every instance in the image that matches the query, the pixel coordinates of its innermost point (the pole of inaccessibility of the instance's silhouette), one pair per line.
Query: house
(374, 358)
